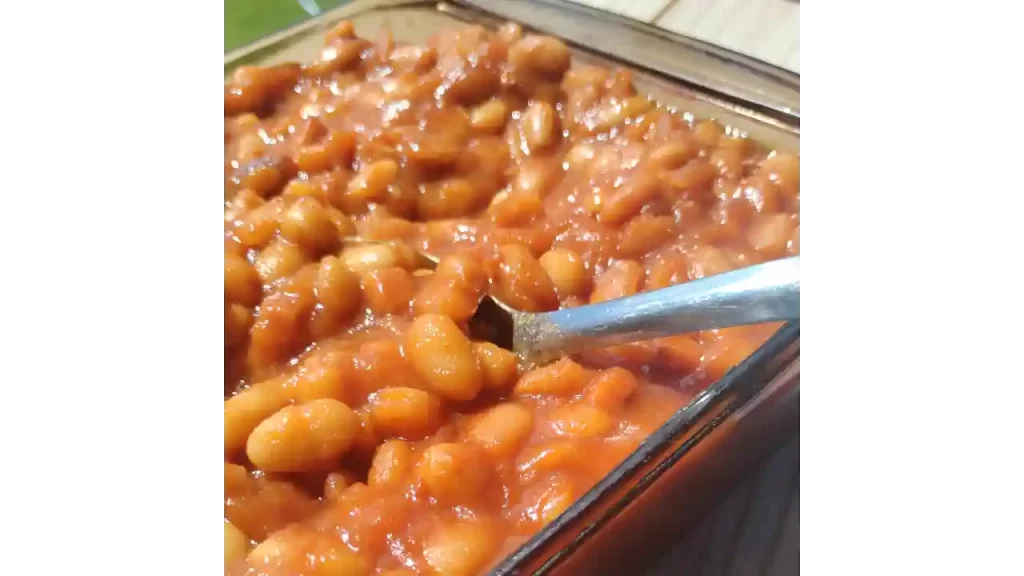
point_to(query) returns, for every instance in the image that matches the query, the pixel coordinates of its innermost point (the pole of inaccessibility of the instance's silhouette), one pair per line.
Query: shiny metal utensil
(768, 292)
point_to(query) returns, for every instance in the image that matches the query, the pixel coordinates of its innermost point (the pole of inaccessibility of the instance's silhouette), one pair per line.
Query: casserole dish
(699, 453)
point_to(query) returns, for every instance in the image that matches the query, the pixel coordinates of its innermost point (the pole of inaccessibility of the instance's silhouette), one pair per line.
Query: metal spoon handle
(762, 293)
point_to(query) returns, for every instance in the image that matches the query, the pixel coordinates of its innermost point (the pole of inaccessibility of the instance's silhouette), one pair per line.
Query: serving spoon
(768, 292)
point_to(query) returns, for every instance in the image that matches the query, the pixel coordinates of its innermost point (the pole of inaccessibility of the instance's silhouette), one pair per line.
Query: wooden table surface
(755, 532)
(765, 29)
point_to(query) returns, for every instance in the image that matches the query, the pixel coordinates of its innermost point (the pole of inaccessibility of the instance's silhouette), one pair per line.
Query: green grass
(249, 20)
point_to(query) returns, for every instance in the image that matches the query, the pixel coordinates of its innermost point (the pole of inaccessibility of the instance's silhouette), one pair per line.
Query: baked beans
(365, 431)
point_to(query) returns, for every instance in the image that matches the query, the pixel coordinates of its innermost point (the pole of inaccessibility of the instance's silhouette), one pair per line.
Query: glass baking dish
(702, 452)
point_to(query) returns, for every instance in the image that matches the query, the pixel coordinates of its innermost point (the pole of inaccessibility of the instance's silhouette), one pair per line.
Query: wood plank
(786, 561)
(643, 11)
(756, 530)
(764, 527)
(765, 29)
